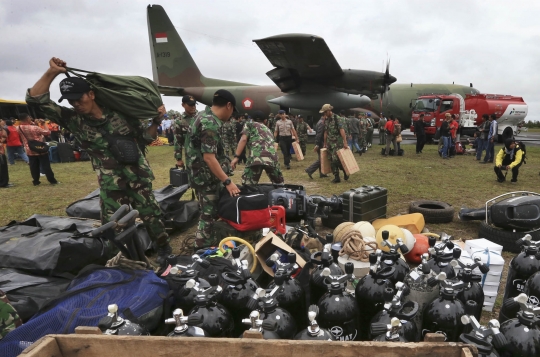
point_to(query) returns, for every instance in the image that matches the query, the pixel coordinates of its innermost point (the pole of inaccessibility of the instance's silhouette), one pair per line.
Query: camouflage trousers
(252, 174)
(9, 319)
(229, 146)
(369, 137)
(303, 142)
(362, 139)
(208, 197)
(335, 163)
(382, 137)
(140, 196)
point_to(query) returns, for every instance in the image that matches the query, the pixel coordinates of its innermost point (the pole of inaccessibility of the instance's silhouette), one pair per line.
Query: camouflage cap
(325, 108)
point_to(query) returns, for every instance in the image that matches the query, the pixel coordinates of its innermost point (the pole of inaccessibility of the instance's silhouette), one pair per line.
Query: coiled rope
(355, 247)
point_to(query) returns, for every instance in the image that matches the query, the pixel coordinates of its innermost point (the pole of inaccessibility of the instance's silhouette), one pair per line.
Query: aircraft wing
(296, 57)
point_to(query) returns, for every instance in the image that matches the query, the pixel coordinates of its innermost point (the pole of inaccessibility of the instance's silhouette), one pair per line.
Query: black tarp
(176, 214)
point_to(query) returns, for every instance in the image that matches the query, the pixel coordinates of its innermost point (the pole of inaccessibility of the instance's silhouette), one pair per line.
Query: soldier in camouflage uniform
(94, 128)
(334, 139)
(229, 136)
(302, 128)
(380, 126)
(271, 122)
(9, 319)
(181, 125)
(208, 166)
(260, 140)
(363, 132)
(371, 127)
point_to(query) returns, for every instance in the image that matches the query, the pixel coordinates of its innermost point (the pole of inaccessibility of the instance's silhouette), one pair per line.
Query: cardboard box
(326, 166)
(474, 245)
(268, 246)
(348, 161)
(298, 151)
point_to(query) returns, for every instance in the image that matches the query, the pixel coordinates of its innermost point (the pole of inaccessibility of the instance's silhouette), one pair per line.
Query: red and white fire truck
(510, 111)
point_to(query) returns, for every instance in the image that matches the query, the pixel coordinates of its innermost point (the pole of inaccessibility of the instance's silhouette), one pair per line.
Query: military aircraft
(306, 75)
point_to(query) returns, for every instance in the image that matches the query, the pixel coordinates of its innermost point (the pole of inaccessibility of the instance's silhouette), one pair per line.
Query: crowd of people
(203, 144)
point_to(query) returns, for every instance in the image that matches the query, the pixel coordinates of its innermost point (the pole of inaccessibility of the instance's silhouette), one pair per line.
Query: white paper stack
(490, 254)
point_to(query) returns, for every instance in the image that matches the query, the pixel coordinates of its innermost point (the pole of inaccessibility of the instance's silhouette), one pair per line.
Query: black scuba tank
(322, 260)
(238, 289)
(266, 327)
(369, 293)
(269, 308)
(290, 294)
(423, 286)
(522, 332)
(522, 267)
(393, 258)
(532, 289)
(393, 331)
(338, 309)
(215, 319)
(185, 326)
(487, 339)
(393, 307)
(472, 290)
(112, 324)
(179, 275)
(314, 331)
(443, 315)
(441, 254)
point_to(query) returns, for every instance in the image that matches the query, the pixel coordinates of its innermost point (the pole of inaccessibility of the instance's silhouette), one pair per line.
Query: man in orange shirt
(55, 131)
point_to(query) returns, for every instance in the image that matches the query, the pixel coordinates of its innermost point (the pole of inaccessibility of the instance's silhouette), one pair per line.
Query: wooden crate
(326, 166)
(89, 345)
(350, 166)
(298, 151)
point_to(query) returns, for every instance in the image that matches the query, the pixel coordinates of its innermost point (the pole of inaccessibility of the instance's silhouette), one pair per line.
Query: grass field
(460, 181)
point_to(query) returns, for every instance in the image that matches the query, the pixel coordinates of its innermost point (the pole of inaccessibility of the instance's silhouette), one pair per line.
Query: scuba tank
(237, 291)
(472, 289)
(313, 331)
(369, 292)
(423, 286)
(480, 335)
(317, 285)
(266, 327)
(290, 294)
(112, 324)
(180, 274)
(267, 304)
(522, 267)
(442, 253)
(393, 307)
(215, 319)
(522, 332)
(393, 332)
(338, 310)
(443, 315)
(393, 258)
(185, 325)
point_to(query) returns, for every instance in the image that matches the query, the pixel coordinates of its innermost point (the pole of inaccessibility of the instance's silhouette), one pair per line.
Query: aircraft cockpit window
(447, 105)
(425, 105)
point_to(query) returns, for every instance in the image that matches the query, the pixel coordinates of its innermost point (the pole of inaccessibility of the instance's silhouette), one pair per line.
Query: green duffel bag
(134, 96)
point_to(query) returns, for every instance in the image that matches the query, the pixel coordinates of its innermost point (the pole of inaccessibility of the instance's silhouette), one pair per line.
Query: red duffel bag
(246, 212)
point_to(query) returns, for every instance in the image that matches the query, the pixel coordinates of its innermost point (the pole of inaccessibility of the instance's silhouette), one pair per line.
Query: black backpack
(521, 145)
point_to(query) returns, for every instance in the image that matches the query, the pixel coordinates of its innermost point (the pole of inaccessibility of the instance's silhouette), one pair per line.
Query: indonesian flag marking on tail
(161, 37)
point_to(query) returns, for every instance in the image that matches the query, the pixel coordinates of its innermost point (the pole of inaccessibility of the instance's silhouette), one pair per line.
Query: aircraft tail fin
(172, 64)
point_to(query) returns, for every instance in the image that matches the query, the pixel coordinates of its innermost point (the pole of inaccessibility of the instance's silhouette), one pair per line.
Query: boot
(321, 175)
(345, 176)
(162, 253)
(336, 179)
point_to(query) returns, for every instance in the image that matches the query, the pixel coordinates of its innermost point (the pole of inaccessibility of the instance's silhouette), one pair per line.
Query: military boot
(162, 253)
(336, 179)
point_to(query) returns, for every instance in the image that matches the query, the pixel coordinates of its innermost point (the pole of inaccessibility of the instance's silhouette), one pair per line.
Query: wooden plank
(348, 161)
(44, 347)
(434, 337)
(326, 166)
(87, 330)
(127, 346)
(298, 151)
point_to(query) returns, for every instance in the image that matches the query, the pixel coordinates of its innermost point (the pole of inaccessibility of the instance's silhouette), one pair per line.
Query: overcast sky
(492, 44)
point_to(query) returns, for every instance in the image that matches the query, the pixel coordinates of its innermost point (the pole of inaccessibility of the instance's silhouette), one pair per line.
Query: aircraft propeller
(387, 80)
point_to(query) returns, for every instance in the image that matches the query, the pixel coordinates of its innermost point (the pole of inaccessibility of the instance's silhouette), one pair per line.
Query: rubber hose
(240, 240)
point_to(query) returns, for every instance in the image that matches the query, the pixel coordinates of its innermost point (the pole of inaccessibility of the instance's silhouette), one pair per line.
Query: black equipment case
(366, 203)
(294, 201)
(178, 177)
